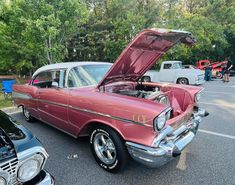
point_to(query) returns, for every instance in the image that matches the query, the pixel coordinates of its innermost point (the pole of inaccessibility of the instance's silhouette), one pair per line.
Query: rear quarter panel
(25, 95)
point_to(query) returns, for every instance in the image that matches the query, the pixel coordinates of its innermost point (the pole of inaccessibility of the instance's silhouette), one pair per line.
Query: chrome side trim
(19, 95)
(28, 96)
(53, 103)
(92, 112)
(106, 115)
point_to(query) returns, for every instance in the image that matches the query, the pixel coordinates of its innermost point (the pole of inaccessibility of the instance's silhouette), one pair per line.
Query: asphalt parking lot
(210, 159)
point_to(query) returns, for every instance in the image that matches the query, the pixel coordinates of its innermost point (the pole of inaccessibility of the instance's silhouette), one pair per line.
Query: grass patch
(5, 102)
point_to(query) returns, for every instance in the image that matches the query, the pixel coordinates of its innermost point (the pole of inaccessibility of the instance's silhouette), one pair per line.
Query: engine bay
(6, 147)
(176, 98)
(145, 92)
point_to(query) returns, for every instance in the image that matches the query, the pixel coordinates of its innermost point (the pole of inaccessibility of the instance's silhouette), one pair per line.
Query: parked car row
(122, 111)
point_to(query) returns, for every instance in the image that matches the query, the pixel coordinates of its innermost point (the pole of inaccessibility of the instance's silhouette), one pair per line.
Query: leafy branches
(35, 33)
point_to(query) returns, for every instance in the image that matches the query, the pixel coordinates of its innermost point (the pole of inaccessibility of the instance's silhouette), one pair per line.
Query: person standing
(208, 73)
(227, 69)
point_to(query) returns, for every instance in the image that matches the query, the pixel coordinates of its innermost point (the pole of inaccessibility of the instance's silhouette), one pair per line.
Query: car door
(167, 73)
(53, 98)
(81, 85)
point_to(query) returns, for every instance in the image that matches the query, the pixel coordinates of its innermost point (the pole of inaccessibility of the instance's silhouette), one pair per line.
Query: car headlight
(197, 97)
(2, 181)
(160, 120)
(30, 168)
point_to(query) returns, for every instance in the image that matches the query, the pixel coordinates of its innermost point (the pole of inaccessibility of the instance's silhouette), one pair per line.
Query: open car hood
(143, 52)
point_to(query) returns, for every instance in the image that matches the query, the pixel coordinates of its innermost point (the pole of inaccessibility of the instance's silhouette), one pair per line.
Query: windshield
(87, 75)
(177, 65)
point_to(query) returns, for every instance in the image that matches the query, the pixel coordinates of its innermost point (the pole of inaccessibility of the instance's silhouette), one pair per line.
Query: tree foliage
(34, 33)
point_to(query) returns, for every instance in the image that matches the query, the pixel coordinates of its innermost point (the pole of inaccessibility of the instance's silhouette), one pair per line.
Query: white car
(174, 72)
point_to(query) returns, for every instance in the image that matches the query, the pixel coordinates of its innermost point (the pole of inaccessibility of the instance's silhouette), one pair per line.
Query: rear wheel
(219, 75)
(27, 115)
(183, 81)
(108, 149)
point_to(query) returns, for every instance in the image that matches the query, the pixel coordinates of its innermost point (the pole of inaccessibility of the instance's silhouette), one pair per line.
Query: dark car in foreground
(22, 156)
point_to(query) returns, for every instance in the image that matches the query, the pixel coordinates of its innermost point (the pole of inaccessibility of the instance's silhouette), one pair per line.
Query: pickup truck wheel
(182, 81)
(219, 75)
(27, 115)
(108, 149)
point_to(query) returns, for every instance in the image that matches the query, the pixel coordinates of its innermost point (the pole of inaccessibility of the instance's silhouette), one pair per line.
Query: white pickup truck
(174, 72)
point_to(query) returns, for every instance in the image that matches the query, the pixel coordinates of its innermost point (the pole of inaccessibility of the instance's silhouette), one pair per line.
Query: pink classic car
(123, 112)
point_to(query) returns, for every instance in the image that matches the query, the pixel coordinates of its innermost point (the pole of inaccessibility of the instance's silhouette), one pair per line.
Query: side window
(45, 79)
(74, 78)
(176, 66)
(167, 66)
(78, 77)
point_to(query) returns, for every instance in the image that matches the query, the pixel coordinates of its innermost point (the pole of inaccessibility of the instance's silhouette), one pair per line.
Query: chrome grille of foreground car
(10, 167)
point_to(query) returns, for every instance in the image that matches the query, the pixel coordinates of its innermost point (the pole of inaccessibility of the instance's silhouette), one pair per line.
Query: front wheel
(27, 115)
(108, 149)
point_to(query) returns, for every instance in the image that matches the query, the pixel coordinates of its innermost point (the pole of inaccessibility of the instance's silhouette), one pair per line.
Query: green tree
(37, 32)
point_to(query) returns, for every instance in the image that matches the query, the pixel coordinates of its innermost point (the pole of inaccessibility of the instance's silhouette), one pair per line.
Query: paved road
(208, 160)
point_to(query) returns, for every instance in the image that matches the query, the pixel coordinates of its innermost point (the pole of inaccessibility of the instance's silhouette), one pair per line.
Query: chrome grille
(10, 167)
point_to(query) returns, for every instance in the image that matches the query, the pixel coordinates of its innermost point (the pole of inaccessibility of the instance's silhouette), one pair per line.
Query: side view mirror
(55, 84)
(146, 79)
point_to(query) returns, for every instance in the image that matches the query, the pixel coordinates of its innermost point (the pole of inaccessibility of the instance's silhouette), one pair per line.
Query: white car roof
(172, 62)
(67, 65)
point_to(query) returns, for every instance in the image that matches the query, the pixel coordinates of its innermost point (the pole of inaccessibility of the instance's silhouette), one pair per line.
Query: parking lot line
(16, 112)
(232, 86)
(230, 93)
(216, 134)
(220, 104)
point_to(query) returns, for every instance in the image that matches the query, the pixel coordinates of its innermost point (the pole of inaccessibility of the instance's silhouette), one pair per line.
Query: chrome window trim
(49, 70)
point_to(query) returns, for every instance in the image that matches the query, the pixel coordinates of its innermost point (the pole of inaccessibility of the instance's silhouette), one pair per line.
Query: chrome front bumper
(43, 178)
(48, 180)
(168, 144)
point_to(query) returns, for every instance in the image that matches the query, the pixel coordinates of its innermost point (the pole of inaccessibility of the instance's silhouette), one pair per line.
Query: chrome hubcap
(183, 81)
(26, 113)
(104, 148)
